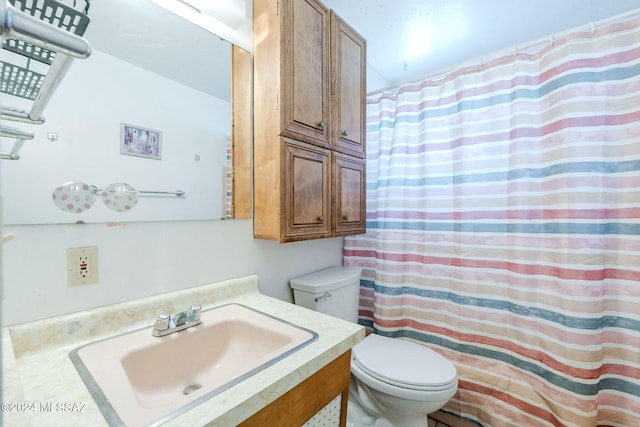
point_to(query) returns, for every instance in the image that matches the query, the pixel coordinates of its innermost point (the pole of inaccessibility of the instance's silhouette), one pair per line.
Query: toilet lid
(403, 363)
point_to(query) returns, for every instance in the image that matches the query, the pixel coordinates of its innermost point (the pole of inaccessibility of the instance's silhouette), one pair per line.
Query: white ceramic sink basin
(140, 380)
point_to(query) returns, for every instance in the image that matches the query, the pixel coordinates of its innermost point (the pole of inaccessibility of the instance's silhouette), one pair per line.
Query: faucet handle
(162, 322)
(195, 312)
(166, 324)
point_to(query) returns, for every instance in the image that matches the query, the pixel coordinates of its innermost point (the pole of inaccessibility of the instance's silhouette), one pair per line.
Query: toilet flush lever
(324, 297)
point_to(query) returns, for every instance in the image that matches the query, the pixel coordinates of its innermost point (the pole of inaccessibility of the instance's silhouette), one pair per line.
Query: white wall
(143, 259)
(375, 81)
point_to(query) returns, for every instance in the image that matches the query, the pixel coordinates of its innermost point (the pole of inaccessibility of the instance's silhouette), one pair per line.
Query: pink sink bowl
(140, 380)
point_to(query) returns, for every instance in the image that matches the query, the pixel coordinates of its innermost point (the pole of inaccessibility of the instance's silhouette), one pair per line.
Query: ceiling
(407, 39)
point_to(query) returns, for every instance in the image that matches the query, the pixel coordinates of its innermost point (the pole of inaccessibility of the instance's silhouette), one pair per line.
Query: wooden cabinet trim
(241, 132)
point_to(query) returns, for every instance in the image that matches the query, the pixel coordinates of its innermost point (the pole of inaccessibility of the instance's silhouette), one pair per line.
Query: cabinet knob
(321, 124)
(345, 217)
(321, 218)
(345, 133)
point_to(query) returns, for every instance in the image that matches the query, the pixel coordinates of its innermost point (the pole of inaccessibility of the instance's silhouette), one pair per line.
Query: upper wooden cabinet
(309, 122)
(305, 61)
(348, 88)
(307, 191)
(349, 207)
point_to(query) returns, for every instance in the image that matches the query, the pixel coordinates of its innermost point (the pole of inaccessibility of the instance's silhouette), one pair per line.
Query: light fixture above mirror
(228, 19)
(230, 12)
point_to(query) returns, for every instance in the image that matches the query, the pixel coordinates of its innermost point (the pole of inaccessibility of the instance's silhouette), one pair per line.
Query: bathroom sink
(138, 379)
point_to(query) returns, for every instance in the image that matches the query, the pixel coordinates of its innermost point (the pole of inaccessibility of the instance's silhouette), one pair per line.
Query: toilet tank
(334, 291)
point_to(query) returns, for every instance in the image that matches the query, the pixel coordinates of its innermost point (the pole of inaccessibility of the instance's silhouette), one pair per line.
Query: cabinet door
(349, 215)
(306, 81)
(348, 71)
(307, 188)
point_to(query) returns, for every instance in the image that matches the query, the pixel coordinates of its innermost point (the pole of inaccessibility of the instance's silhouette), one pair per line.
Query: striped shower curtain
(503, 225)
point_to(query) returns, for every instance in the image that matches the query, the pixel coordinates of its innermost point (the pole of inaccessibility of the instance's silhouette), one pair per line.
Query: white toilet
(394, 383)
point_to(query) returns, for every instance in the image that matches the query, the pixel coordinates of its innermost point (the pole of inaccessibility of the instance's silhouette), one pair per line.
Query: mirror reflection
(150, 108)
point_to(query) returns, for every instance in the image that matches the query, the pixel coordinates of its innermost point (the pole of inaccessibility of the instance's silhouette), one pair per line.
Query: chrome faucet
(166, 324)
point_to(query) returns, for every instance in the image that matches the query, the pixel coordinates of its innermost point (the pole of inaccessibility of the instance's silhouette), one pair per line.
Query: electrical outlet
(82, 266)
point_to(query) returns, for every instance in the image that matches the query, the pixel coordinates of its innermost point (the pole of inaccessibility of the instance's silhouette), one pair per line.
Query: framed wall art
(141, 142)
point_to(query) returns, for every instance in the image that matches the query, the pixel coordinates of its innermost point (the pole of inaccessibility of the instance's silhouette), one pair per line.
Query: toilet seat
(404, 364)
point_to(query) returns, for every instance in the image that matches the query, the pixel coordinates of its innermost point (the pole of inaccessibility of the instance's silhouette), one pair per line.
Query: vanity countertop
(41, 387)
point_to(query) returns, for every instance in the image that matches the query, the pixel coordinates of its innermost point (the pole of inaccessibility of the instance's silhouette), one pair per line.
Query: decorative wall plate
(120, 196)
(74, 196)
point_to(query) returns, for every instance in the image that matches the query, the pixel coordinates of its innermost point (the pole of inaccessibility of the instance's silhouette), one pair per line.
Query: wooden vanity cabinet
(300, 404)
(309, 122)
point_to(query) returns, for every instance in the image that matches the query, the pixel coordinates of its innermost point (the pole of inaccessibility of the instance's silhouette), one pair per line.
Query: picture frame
(140, 142)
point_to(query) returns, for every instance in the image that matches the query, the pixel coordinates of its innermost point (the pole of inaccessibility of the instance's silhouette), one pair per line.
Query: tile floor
(434, 423)
(444, 419)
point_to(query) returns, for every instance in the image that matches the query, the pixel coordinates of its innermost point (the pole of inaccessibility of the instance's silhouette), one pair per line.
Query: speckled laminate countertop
(41, 387)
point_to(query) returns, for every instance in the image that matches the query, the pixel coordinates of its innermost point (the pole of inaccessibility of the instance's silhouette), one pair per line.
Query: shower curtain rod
(517, 48)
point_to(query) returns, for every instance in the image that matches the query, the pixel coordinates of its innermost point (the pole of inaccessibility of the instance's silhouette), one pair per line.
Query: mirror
(152, 74)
